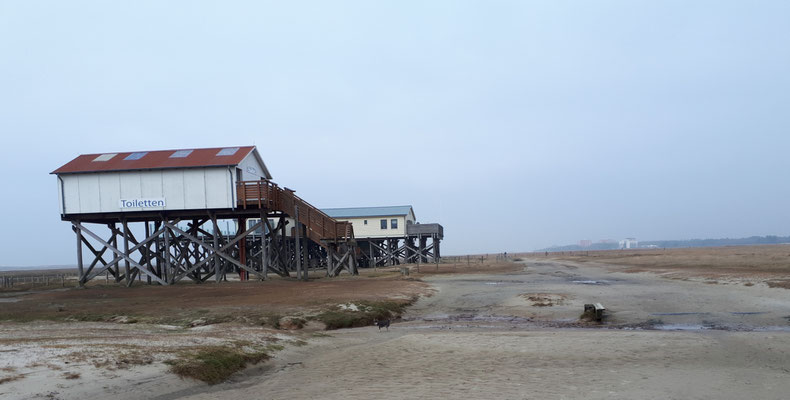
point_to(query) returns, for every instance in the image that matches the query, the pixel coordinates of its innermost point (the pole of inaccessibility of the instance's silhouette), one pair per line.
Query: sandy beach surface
(510, 334)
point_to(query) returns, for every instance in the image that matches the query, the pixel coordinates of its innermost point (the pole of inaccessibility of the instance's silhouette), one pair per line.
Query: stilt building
(156, 216)
(391, 235)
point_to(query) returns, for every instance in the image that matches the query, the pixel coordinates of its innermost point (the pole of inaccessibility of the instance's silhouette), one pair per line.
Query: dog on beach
(382, 324)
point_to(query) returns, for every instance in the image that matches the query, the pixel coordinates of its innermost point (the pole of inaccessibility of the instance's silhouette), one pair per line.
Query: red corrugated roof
(158, 159)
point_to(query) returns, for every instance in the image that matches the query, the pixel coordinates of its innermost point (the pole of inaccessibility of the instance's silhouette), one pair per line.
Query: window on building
(135, 156)
(383, 224)
(394, 224)
(181, 153)
(228, 151)
(105, 157)
(366, 222)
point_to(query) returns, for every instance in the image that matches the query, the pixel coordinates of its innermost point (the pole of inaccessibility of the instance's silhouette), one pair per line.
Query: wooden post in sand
(372, 260)
(79, 255)
(297, 244)
(264, 246)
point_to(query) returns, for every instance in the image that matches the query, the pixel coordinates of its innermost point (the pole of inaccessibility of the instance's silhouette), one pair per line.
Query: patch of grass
(368, 312)
(320, 334)
(275, 347)
(299, 343)
(380, 274)
(273, 320)
(299, 323)
(214, 364)
(89, 317)
(129, 359)
(779, 283)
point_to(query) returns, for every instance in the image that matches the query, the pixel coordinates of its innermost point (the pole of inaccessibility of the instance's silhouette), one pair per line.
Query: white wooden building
(391, 235)
(185, 179)
(375, 222)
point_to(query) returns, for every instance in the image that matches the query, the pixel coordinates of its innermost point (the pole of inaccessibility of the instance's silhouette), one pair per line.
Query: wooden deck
(433, 230)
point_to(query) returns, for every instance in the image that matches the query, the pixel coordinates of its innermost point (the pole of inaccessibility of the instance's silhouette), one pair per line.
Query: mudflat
(510, 330)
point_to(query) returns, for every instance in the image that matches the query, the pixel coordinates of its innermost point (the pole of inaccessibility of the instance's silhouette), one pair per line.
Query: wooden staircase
(319, 227)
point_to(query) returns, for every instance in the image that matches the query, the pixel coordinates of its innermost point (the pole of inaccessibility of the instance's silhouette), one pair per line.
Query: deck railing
(268, 195)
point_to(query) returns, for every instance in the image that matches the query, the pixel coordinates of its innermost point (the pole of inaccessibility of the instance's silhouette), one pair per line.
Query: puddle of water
(589, 282)
(682, 313)
(749, 313)
(773, 329)
(693, 327)
(471, 318)
(9, 300)
(707, 313)
(499, 282)
(680, 327)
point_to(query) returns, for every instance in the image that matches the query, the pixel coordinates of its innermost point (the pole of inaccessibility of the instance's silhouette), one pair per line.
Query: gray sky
(534, 123)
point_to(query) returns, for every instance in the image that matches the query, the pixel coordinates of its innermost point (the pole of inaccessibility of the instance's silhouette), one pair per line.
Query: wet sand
(479, 337)
(515, 334)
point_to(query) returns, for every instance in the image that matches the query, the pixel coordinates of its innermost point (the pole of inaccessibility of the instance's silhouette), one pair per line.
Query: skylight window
(136, 156)
(105, 157)
(181, 154)
(228, 151)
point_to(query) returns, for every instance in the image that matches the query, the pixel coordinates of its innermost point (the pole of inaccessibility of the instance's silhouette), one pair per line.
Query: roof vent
(135, 156)
(228, 151)
(180, 154)
(105, 157)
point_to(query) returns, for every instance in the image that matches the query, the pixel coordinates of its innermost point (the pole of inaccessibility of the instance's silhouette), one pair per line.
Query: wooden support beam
(167, 274)
(108, 266)
(330, 258)
(157, 253)
(242, 249)
(98, 256)
(298, 244)
(127, 272)
(215, 238)
(437, 257)
(220, 252)
(79, 257)
(115, 250)
(147, 254)
(264, 244)
(372, 260)
(114, 243)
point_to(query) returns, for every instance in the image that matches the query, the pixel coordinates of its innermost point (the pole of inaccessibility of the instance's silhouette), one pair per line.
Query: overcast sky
(515, 124)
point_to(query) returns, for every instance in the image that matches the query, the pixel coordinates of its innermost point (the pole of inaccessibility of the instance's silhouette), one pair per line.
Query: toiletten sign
(142, 203)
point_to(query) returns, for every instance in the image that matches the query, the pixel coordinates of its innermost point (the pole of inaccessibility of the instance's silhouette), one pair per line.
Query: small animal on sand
(382, 324)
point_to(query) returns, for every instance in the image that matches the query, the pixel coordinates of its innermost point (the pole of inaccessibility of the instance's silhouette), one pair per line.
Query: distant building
(585, 243)
(391, 235)
(629, 243)
(376, 222)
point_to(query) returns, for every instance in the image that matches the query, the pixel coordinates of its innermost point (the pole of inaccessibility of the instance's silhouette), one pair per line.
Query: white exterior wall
(373, 227)
(182, 189)
(251, 169)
